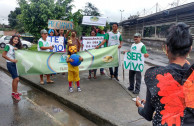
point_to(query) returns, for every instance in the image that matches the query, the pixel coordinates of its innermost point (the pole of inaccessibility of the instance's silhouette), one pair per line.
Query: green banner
(31, 62)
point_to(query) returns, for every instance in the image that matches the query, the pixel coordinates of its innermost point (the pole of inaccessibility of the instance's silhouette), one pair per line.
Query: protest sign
(57, 42)
(134, 61)
(60, 24)
(31, 62)
(93, 20)
(91, 42)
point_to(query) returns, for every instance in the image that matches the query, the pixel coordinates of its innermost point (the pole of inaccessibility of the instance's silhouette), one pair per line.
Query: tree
(35, 13)
(12, 17)
(91, 10)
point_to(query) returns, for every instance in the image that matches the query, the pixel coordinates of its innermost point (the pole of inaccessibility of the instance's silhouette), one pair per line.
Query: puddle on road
(46, 104)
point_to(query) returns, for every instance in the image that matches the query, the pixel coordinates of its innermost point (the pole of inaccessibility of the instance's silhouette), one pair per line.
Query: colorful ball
(76, 61)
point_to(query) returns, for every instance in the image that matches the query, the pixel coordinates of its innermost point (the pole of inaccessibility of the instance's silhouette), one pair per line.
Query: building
(154, 27)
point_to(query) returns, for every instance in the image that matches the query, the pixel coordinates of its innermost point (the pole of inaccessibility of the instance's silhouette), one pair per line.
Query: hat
(43, 31)
(101, 27)
(51, 30)
(137, 34)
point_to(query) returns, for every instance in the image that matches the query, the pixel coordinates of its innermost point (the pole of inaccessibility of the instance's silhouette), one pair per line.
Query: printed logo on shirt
(47, 44)
(115, 37)
(134, 48)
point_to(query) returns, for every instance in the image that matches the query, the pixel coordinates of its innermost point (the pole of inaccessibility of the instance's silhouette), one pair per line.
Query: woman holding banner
(93, 33)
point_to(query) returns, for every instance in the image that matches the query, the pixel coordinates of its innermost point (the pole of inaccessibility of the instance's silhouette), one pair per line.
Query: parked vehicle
(5, 40)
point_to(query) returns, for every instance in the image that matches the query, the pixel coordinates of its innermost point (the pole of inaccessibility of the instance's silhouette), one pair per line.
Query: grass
(33, 48)
(1, 51)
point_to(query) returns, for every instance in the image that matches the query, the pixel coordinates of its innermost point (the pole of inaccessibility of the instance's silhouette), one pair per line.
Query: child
(137, 47)
(93, 33)
(43, 45)
(9, 55)
(73, 71)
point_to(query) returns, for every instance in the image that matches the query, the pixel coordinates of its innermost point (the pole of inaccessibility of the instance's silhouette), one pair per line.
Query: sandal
(89, 77)
(95, 77)
(50, 81)
(42, 82)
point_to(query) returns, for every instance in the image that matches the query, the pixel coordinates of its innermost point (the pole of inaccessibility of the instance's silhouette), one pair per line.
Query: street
(35, 108)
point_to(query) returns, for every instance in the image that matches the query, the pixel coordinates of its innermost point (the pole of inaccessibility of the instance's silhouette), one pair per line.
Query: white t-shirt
(44, 43)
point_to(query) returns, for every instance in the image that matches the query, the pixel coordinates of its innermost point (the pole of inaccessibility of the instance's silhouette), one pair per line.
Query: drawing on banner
(91, 42)
(94, 20)
(57, 42)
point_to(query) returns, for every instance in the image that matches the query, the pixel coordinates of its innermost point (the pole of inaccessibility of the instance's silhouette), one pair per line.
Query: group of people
(163, 95)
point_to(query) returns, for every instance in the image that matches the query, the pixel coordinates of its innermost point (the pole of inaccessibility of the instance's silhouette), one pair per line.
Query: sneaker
(79, 89)
(70, 89)
(117, 78)
(130, 89)
(102, 73)
(20, 94)
(135, 92)
(16, 97)
(12, 94)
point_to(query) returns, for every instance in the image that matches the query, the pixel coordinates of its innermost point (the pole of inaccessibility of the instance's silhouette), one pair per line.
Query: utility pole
(144, 11)
(121, 14)
(178, 2)
(156, 7)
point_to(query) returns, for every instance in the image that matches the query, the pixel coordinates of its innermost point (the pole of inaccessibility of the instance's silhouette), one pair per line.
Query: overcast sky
(108, 8)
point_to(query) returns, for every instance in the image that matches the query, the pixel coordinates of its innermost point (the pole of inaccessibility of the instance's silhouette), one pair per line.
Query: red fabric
(175, 97)
(77, 83)
(70, 84)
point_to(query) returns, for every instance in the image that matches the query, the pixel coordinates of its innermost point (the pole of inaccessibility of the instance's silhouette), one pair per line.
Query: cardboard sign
(92, 42)
(60, 24)
(134, 61)
(93, 20)
(57, 42)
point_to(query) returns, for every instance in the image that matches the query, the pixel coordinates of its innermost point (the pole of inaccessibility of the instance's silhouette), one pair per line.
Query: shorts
(12, 69)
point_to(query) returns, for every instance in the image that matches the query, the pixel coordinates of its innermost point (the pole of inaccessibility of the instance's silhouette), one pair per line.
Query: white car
(5, 40)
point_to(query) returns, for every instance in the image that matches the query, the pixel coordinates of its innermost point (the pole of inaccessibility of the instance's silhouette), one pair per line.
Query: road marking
(46, 113)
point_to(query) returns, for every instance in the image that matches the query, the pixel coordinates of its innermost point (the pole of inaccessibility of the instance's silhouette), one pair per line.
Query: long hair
(19, 44)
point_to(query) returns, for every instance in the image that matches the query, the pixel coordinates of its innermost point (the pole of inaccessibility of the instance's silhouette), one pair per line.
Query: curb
(97, 119)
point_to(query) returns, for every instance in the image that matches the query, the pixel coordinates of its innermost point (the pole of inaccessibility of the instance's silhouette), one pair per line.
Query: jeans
(115, 72)
(101, 70)
(138, 80)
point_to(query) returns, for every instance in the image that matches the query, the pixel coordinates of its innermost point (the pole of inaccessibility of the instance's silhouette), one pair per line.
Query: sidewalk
(102, 100)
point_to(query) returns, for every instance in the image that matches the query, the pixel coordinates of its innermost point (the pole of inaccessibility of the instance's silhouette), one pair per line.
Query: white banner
(134, 61)
(57, 42)
(94, 20)
(92, 42)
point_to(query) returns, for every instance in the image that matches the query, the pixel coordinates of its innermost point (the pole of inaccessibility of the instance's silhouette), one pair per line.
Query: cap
(43, 31)
(137, 34)
(101, 27)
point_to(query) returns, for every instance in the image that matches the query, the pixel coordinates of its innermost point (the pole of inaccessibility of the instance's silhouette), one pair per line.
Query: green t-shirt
(143, 49)
(104, 35)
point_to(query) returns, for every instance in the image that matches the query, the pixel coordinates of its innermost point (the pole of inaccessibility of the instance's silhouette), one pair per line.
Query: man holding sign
(113, 38)
(134, 61)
